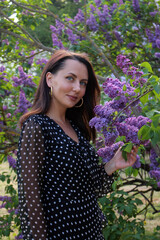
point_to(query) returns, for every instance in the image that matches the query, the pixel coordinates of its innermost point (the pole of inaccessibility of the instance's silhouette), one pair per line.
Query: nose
(76, 86)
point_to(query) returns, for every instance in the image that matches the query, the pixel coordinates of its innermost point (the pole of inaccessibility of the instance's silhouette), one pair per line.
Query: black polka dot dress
(58, 183)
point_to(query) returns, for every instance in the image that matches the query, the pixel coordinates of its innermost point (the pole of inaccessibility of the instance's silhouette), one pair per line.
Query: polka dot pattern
(59, 181)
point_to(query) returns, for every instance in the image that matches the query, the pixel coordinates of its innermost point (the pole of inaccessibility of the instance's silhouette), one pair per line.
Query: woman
(59, 178)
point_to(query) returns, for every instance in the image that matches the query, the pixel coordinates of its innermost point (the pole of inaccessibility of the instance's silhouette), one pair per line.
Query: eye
(70, 78)
(83, 83)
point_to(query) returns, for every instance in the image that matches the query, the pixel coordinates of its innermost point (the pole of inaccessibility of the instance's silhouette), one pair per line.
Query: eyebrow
(76, 76)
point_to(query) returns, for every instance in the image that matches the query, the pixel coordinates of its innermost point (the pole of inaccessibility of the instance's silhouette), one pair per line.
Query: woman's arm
(30, 174)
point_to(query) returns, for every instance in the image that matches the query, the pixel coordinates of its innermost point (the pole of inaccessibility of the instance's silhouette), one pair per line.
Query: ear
(49, 79)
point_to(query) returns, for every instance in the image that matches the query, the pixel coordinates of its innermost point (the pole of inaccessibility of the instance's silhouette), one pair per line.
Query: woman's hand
(118, 162)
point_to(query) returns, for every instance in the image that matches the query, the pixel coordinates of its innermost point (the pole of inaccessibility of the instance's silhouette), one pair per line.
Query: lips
(73, 98)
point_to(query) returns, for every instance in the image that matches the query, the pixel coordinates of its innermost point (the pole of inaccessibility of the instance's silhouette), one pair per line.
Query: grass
(151, 221)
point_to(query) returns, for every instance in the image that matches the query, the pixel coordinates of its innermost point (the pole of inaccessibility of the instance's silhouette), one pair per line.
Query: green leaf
(157, 88)
(144, 99)
(124, 88)
(147, 66)
(124, 155)
(144, 133)
(128, 148)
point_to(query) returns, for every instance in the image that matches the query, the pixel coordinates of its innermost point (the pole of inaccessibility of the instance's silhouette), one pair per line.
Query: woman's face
(68, 84)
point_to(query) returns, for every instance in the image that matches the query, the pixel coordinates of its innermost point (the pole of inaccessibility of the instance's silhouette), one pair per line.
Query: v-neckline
(77, 133)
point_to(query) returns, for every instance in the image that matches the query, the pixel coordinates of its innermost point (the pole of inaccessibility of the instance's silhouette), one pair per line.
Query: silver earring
(78, 106)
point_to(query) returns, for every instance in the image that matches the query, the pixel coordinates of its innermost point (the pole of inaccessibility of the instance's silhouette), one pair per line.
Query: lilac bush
(129, 109)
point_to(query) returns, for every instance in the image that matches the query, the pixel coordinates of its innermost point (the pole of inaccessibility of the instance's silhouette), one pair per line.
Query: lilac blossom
(130, 132)
(5, 198)
(118, 36)
(5, 41)
(60, 27)
(153, 162)
(158, 43)
(121, 2)
(5, 107)
(155, 174)
(104, 15)
(110, 135)
(79, 16)
(113, 8)
(126, 65)
(138, 121)
(153, 37)
(107, 36)
(137, 163)
(11, 161)
(19, 237)
(98, 3)
(30, 61)
(131, 45)
(98, 123)
(108, 152)
(24, 104)
(157, 54)
(41, 62)
(56, 42)
(123, 62)
(92, 8)
(99, 142)
(16, 46)
(24, 79)
(158, 184)
(92, 23)
(136, 5)
(71, 36)
(53, 29)
(8, 115)
(152, 14)
(3, 74)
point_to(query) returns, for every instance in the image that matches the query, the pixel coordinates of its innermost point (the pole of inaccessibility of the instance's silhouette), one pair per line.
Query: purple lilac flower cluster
(155, 174)
(24, 104)
(30, 61)
(4, 200)
(3, 74)
(41, 62)
(153, 160)
(104, 14)
(136, 5)
(154, 38)
(127, 67)
(23, 80)
(71, 36)
(11, 161)
(92, 23)
(56, 42)
(137, 163)
(111, 124)
(19, 237)
(108, 152)
(118, 36)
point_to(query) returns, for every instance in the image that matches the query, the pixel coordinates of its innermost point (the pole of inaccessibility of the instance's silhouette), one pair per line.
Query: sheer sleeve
(106, 181)
(31, 155)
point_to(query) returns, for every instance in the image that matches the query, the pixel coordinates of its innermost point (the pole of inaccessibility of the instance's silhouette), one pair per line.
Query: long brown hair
(80, 116)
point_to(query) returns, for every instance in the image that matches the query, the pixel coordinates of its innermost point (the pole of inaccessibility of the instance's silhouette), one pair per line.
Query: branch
(135, 100)
(36, 44)
(17, 25)
(10, 130)
(49, 13)
(8, 149)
